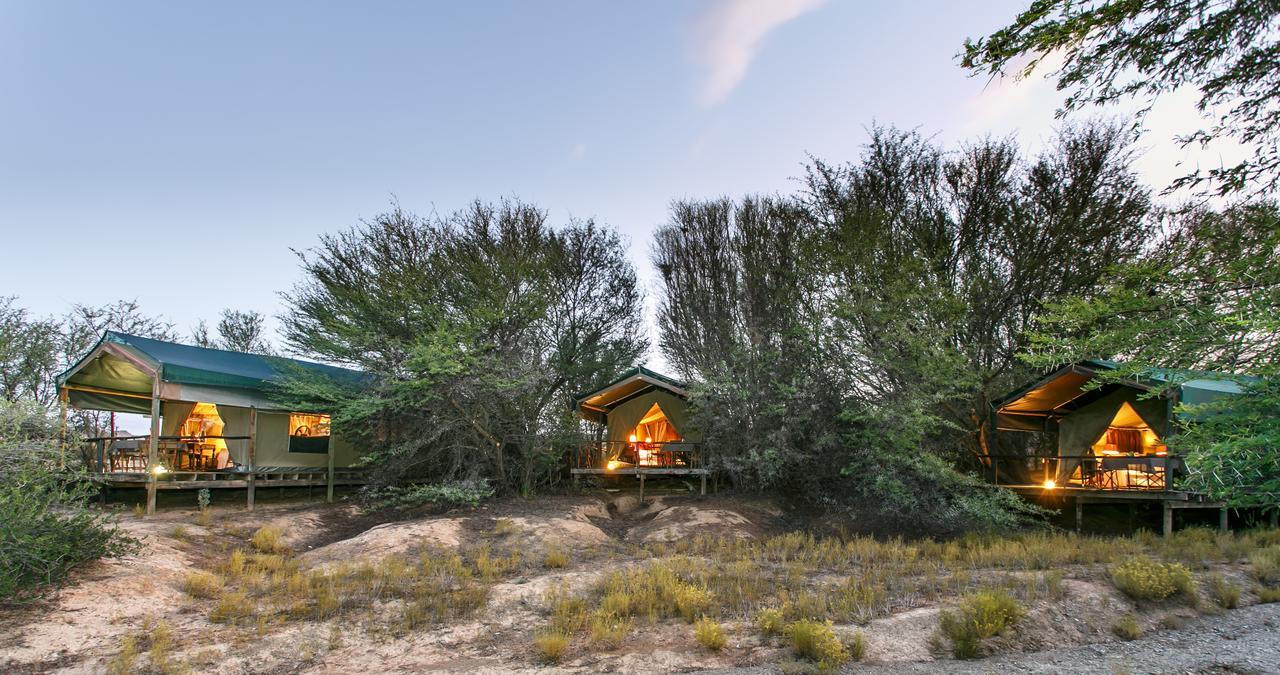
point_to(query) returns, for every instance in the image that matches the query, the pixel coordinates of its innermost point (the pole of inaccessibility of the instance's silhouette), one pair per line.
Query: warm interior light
(1050, 484)
(159, 470)
(613, 464)
(633, 438)
(648, 439)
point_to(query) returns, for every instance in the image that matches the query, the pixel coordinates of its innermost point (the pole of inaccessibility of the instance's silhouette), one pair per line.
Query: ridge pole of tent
(63, 402)
(253, 453)
(329, 493)
(153, 445)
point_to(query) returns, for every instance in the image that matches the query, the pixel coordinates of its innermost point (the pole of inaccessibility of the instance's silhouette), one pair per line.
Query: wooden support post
(642, 488)
(329, 493)
(153, 446)
(1275, 517)
(253, 454)
(703, 493)
(576, 487)
(1079, 514)
(1167, 518)
(1222, 519)
(63, 402)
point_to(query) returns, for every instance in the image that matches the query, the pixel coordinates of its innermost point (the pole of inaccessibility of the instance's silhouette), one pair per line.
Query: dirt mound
(392, 539)
(678, 522)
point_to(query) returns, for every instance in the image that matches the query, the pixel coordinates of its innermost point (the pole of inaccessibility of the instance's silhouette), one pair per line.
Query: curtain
(1125, 440)
(172, 416)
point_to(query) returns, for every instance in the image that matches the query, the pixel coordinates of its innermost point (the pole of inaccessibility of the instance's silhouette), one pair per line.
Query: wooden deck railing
(612, 455)
(1094, 472)
(131, 454)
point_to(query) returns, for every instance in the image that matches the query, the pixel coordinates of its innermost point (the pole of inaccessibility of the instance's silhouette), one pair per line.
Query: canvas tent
(640, 403)
(1126, 418)
(224, 390)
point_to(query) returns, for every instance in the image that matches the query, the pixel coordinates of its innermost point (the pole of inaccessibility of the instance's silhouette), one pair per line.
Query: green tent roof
(187, 364)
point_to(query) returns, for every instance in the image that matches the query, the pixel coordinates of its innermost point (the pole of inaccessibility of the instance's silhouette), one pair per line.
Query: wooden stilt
(1222, 519)
(703, 492)
(253, 454)
(63, 403)
(1079, 515)
(153, 446)
(1275, 518)
(641, 488)
(1167, 518)
(329, 488)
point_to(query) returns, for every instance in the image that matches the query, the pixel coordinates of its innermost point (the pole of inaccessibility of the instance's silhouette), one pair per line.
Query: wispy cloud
(729, 34)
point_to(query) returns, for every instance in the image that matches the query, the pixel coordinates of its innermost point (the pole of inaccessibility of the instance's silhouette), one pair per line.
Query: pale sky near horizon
(176, 152)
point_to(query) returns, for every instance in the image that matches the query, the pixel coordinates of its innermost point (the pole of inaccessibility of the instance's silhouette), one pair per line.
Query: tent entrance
(1128, 434)
(650, 433)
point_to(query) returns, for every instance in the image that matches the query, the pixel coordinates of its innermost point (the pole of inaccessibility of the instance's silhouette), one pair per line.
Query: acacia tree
(238, 331)
(1206, 298)
(477, 328)
(1114, 50)
(939, 261)
(28, 354)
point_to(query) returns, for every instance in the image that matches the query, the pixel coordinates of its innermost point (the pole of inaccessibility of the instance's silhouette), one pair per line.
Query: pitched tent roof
(632, 383)
(117, 374)
(1062, 391)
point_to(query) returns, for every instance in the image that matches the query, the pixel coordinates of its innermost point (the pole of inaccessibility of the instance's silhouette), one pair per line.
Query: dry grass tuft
(555, 559)
(202, 585)
(267, 540)
(551, 647)
(817, 641)
(1265, 565)
(1127, 627)
(505, 526)
(608, 630)
(1223, 592)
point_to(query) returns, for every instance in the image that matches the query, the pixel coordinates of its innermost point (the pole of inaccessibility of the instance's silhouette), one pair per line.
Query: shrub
(1225, 593)
(47, 527)
(1142, 578)
(1127, 627)
(267, 540)
(1269, 595)
(555, 559)
(452, 493)
(770, 621)
(980, 615)
(709, 634)
(816, 641)
(551, 646)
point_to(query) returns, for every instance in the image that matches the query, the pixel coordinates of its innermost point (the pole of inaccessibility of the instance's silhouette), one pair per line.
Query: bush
(1142, 578)
(46, 525)
(452, 493)
(709, 634)
(1225, 593)
(857, 646)
(551, 647)
(1127, 627)
(770, 621)
(980, 615)
(816, 641)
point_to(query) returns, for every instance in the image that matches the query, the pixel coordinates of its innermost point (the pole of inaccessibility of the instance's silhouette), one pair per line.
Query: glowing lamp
(633, 438)
(648, 439)
(159, 470)
(613, 464)
(1049, 484)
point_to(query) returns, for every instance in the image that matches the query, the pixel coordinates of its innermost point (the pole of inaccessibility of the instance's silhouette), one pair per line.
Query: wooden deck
(197, 480)
(1169, 500)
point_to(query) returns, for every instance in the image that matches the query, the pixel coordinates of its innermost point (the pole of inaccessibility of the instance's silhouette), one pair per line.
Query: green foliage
(1223, 592)
(451, 493)
(980, 615)
(1143, 578)
(1143, 50)
(816, 641)
(1206, 299)
(478, 328)
(46, 525)
(867, 322)
(1265, 565)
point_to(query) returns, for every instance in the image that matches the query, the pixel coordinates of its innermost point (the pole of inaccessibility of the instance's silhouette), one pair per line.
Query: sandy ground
(80, 629)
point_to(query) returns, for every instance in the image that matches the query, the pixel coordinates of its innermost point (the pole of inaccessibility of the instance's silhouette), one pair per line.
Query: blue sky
(176, 152)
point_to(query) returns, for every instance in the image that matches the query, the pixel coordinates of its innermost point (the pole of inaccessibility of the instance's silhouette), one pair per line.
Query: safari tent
(213, 419)
(1110, 436)
(641, 425)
